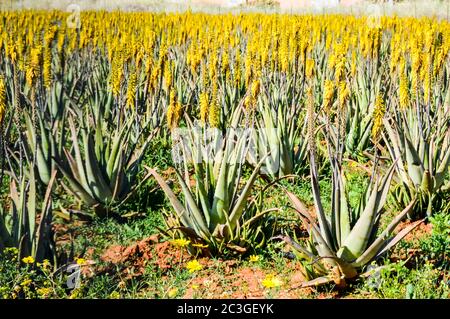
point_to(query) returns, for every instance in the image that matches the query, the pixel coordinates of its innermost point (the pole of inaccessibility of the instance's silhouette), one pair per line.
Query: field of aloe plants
(193, 155)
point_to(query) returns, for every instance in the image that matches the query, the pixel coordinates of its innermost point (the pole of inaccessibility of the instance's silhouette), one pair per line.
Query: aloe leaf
(220, 202)
(75, 187)
(116, 145)
(396, 150)
(323, 223)
(344, 210)
(43, 236)
(331, 258)
(116, 181)
(43, 154)
(204, 200)
(31, 205)
(299, 206)
(401, 234)
(288, 240)
(356, 242)
(100, 188)
(415, 165)
(442, 169)
(30, 132)
(320, 281)
(194, 209)
(374, 248)
(42, 165)
(80, 166)
(365, 137)
(239, 206)
(176, 204)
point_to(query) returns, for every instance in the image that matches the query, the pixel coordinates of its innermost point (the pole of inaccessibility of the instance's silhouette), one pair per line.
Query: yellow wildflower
(114, 295)
(76, 293)
(194, 266)
(181, 242)
(26, 282)
(11, 250)
(271, 281)
(28, 260)
(44, 292)
(81, 261)
(172, 293)
(254, 258)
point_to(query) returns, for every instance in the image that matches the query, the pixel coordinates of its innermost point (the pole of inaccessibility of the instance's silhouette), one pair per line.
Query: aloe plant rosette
(217, 208)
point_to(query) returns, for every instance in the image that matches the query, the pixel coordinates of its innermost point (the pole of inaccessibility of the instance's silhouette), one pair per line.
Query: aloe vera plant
(346, 239)
(359, 125)
(23, 226)
(419, 141)
(101, 168)
(358, 118)
(45, 144)
(217, 208)
(279, 139)
(343, 243)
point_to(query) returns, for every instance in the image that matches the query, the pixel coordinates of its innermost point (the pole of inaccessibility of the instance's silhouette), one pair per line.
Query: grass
(427, 278)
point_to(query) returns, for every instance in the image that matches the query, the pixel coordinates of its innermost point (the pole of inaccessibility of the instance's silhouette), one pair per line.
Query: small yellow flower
(81, 261)
(180, 242)
(44, 265)
(114, 295)
(193, 266)
(26, 282)
(28, 260)
(44, 292)
(12, 250)
(76, 293)
(173, 293)
(254, 258)
(271, 281)
(195, 287)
